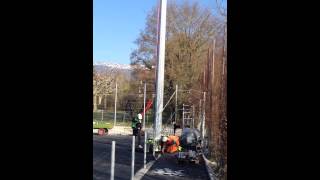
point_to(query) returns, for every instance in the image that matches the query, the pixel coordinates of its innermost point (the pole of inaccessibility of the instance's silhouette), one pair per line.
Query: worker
(170, 144)
(136, 128)
(136, 122)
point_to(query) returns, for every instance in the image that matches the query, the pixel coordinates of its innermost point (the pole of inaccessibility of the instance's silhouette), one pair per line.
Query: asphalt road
(102, 157)
(166, 168)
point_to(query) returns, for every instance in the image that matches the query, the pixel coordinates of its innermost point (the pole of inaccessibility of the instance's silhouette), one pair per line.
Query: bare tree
(190, 29)
(221, 6)
(103, 84)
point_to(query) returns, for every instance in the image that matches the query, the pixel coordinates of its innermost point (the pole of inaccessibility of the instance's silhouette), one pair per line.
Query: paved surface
(102, 157)
(166, 168)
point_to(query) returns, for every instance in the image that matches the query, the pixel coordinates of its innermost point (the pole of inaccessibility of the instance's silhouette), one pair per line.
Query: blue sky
(116, 25)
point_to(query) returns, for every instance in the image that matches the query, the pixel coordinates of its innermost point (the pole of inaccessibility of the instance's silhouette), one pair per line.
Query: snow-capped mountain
(121, 67)
(113, 65)
(102, 67)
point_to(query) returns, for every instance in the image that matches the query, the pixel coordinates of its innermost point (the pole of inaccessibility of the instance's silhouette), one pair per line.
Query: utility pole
(160, 70)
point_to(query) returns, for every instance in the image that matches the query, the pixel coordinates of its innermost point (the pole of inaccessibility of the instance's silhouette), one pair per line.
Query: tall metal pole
(176, 108)
(144, 105)
(115, 106)
(160, 70)
(112, 160)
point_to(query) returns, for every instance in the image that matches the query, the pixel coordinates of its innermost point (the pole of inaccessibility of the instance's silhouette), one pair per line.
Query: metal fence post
(144, 105)
(193, 116)
(132, 157)
(101, 115)
(112, 160)
(182, 116)
(145, 150)
(115, 106)
(204, 115)
(176, 105)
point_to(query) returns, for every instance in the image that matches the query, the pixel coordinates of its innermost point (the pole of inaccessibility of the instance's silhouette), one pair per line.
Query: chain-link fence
(120, 118)
(120, 106)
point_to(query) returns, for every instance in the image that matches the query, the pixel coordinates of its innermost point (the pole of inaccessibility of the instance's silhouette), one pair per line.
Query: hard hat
(164, 139)
(139, 116)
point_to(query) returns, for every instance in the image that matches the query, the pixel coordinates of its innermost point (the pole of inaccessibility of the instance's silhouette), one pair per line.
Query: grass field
(106, 119)
(99, 124)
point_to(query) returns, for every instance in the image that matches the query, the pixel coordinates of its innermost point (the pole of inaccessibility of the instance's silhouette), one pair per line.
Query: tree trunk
(100, 99)
(95, 107)
(105, 103)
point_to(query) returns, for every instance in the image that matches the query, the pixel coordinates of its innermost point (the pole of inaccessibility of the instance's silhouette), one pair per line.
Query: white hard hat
(139, 116)
(164, 139)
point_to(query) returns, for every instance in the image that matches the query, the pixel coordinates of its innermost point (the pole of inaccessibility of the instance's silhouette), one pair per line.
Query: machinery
(191, 148)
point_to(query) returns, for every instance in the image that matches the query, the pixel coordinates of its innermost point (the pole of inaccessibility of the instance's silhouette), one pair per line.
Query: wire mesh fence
(120, 118)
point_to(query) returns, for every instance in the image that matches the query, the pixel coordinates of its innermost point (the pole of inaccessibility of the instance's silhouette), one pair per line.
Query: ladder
(187, 115)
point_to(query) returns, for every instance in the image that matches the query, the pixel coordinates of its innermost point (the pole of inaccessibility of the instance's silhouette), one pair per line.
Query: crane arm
(148, 106)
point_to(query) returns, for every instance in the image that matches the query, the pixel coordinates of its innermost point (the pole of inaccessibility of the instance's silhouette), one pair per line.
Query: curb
(210, 171)
(139, 175)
